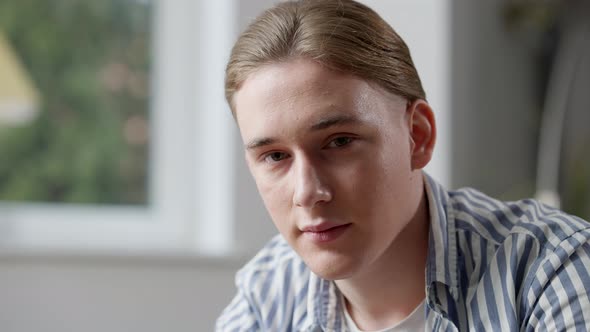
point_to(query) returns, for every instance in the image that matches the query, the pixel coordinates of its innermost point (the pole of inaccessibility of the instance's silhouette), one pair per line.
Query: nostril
(310, 187)
(310, 197)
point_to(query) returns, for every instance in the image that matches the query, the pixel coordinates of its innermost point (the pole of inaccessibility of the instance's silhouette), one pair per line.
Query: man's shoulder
(513, 254)
(276, 261)
(272, 292)
(275, 285)
(497, 220)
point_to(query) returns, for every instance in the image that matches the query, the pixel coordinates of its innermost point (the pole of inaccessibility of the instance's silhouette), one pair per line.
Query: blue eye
(274, 157)
(340, 141)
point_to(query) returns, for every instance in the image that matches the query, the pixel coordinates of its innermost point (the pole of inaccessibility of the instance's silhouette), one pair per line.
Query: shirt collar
(441, 265)
(324, 305)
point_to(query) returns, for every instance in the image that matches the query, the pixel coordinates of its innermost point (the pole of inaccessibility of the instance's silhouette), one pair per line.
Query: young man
(336, 130)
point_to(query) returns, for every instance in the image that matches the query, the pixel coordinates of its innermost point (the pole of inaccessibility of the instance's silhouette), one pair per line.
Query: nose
(310, 187)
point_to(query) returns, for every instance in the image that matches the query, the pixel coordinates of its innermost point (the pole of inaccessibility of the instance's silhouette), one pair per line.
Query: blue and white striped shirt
(492, 266)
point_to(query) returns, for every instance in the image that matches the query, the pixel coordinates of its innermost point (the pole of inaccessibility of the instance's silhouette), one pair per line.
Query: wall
(495, 112)
(65, 292)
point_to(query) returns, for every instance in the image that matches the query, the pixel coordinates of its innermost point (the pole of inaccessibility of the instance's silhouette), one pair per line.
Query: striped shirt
(492, 266)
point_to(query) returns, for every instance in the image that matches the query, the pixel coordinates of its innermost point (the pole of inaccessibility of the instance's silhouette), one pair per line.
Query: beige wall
(115, 294)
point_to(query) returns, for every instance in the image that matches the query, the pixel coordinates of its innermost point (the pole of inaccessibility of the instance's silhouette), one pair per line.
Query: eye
(340, 142)
(275, 157)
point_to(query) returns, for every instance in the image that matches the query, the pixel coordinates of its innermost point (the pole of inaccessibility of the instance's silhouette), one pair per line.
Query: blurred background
(125, 203)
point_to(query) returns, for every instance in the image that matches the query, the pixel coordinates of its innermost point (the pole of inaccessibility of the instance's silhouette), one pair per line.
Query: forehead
(280, 85)
(299, 93)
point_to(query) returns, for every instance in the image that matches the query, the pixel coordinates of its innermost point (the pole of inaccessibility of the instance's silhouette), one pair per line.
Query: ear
(422, 129)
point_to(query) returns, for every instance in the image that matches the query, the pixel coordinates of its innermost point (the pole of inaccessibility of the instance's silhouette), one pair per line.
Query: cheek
(396, 156)
(378, 182)
(275, 195)
(382, 168)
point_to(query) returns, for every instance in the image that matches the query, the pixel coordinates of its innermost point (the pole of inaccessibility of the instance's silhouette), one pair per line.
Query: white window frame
(191, 153)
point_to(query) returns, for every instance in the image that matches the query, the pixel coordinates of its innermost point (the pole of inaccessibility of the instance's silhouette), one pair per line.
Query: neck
(393, 286)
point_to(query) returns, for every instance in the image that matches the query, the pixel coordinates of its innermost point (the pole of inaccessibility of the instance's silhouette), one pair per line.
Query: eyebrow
(260, 142)
(325, 123)
(331, 121)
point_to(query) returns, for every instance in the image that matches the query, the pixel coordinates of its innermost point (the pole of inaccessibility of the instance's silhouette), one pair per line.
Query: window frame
(190, 205)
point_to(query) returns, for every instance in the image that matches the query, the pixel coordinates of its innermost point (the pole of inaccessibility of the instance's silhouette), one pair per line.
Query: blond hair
(342, 35)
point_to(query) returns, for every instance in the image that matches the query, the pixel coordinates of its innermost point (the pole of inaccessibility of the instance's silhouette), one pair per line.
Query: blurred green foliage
(90, 61)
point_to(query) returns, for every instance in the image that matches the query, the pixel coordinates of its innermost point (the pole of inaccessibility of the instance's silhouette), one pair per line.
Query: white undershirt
(414, 322)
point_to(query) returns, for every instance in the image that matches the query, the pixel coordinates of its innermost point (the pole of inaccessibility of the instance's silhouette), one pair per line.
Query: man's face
(332, 158)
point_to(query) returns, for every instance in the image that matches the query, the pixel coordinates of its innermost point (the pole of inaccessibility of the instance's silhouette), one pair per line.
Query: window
(126, 141)
(76, 129)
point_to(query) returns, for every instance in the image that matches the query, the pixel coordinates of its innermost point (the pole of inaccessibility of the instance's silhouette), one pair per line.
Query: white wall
(60, 293)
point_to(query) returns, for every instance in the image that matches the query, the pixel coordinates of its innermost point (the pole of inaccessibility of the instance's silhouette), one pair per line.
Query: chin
(330, 266)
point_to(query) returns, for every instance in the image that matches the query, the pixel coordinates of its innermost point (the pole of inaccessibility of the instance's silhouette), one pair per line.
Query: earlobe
(422, 128)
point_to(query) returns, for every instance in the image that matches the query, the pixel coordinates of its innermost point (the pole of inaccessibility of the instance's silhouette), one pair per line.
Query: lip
(324, 232)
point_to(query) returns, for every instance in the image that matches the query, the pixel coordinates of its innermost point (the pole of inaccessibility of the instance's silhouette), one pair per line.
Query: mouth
(324, 232)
